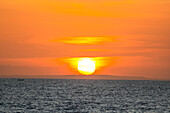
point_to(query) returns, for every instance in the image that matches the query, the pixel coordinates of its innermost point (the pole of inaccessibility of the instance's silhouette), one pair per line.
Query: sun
(86, 66)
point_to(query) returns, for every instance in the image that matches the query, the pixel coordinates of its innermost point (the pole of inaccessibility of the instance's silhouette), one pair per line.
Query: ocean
(84, 96)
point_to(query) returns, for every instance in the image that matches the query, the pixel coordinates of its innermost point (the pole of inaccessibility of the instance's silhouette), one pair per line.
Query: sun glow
(86, 66)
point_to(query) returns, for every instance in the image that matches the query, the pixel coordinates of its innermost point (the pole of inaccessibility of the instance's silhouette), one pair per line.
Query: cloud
(85, 40)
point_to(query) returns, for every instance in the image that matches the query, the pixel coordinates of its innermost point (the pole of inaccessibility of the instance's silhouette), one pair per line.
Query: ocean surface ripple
(84, 96)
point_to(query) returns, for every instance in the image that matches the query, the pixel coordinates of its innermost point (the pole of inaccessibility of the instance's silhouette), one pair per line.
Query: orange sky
(131, 37)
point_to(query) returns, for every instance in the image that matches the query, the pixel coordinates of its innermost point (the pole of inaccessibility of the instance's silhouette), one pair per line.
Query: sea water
(84, 96)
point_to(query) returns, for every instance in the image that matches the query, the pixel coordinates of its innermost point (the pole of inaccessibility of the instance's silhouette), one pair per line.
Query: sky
(43, 38)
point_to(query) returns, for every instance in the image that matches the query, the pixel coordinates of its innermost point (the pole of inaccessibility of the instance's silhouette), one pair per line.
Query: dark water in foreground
(83, 96)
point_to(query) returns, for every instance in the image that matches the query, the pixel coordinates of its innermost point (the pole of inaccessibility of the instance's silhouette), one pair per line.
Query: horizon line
(88, 77)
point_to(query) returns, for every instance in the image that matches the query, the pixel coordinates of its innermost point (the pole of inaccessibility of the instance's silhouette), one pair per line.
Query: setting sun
(86, 66)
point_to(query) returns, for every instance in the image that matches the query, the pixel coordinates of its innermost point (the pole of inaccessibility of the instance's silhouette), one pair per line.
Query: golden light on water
(86, 66)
